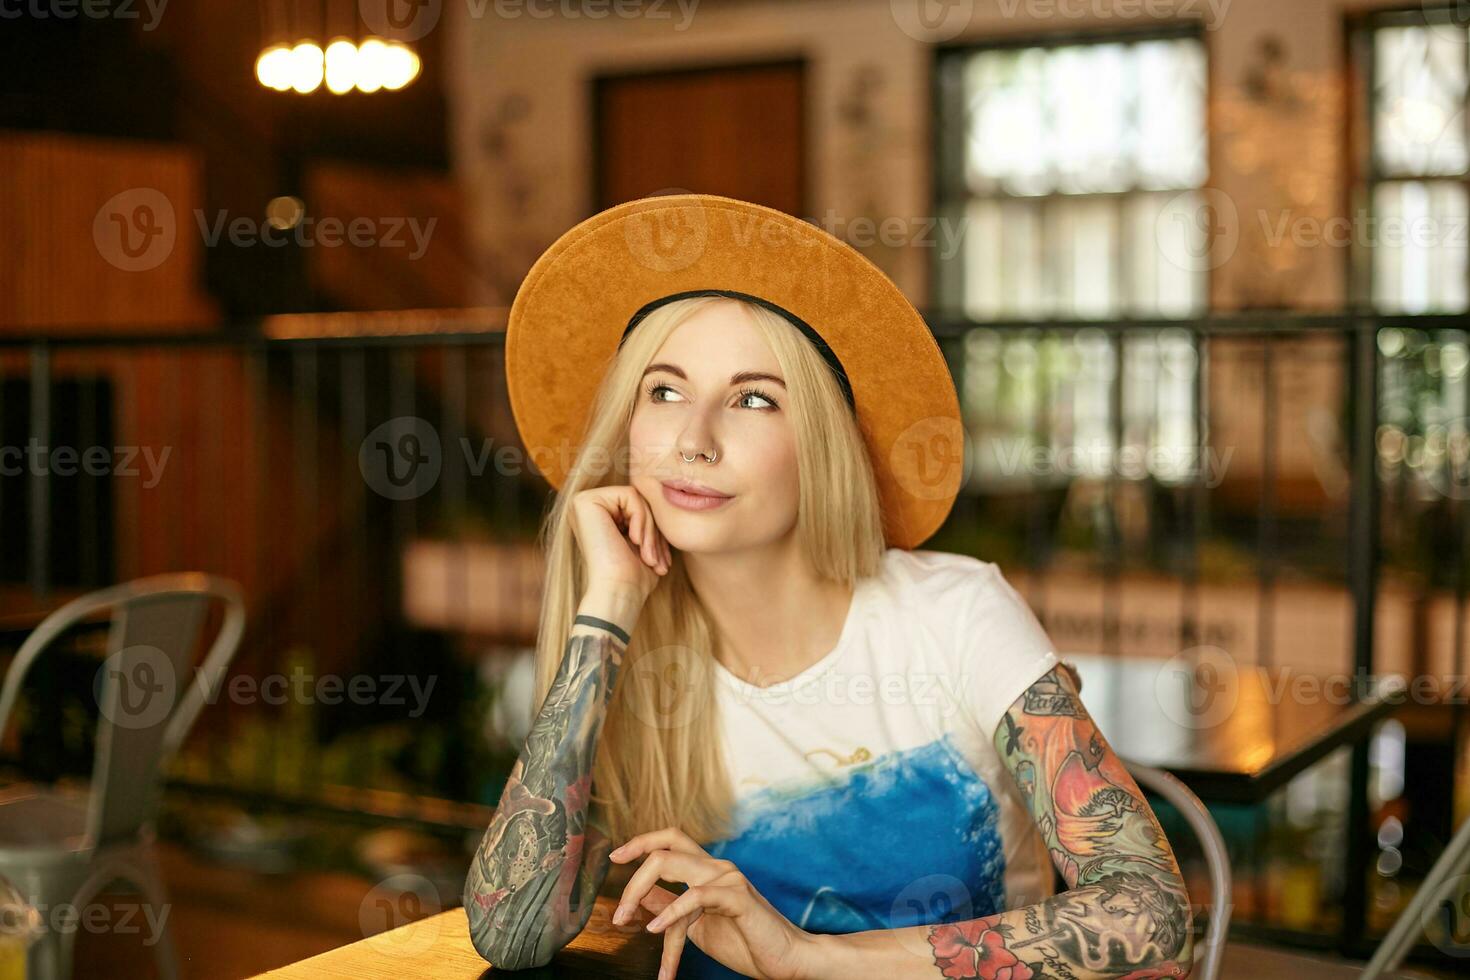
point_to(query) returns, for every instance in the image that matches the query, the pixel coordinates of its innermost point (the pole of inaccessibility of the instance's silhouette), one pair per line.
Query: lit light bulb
(306, 67)
(273, 67)
(372, 55)
(400, 65)
(341, 66)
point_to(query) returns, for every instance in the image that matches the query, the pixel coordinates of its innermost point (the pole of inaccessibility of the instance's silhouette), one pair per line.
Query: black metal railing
(267, 477)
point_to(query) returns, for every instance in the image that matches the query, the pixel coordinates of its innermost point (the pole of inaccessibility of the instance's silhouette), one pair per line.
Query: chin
(690, 533)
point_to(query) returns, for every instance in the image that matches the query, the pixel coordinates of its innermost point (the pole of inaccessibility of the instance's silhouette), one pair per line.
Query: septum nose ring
(690, 459)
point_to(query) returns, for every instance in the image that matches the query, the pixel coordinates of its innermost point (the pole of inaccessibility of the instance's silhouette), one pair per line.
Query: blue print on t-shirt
(912, 838)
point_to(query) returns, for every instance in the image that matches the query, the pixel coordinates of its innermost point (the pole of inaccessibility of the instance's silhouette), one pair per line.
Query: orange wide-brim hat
(597, 281)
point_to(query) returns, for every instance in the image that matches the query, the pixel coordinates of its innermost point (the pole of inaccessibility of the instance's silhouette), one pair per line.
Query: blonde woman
(848, 756)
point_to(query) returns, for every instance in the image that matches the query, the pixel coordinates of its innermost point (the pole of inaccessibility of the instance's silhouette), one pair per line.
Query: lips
(694, 497)
(696, 489)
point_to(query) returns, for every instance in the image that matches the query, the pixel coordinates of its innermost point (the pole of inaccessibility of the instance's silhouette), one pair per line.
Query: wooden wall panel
(100, 235)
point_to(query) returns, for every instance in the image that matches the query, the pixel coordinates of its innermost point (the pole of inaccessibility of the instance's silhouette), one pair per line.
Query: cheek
(773, 468)
(644, 442)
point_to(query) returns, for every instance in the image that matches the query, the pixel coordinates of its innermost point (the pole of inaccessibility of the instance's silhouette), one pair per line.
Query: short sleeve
(1003, 648)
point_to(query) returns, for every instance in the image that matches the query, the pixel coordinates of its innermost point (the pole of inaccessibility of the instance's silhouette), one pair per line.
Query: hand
(742, 930)
(614, 529)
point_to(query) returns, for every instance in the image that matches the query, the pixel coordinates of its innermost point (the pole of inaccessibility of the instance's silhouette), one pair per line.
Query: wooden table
(1232, 733)
(439, 947)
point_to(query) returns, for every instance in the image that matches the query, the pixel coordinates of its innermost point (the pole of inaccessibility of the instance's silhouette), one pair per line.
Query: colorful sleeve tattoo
(532, 884)
(1125, 912)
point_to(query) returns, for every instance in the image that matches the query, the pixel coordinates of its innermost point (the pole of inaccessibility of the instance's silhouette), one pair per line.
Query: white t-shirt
(868, 792)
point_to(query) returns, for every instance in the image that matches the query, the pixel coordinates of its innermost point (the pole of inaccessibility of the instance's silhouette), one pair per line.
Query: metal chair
(1261, 963)
(61, 847)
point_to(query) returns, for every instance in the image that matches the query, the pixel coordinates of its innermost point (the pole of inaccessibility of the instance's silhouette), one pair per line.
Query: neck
(773, 616)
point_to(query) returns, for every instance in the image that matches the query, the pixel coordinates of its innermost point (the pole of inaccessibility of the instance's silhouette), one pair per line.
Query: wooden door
(736, 130)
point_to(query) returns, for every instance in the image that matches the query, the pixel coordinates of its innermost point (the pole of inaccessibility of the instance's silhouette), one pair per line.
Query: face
(715, 387)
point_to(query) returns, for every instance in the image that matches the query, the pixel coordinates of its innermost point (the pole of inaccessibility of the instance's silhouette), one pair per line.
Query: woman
(856, 755)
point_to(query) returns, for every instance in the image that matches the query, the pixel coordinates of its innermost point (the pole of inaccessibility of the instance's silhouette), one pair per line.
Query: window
(1412, 157)
(1415, 162)
(1073, 173)
(1062, 165)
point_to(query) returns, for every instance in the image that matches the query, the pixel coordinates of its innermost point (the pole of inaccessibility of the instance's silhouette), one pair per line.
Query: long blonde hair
(659, 762)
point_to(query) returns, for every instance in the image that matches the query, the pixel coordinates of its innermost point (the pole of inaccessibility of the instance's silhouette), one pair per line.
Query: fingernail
(658, 921)
(620, 914)
(663, 973)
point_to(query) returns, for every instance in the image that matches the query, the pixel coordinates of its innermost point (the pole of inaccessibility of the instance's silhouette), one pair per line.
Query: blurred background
(1200, 269)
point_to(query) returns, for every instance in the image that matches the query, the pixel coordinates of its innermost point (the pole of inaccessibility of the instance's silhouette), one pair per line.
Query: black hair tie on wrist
(612, 628)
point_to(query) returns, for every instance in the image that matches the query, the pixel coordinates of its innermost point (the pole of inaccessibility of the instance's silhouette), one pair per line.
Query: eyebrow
(735, 379)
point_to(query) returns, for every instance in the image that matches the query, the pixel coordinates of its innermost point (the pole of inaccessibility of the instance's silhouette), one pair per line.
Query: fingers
(722, 899)
(670, 838)
(653, 542)
(635, 525)
(674, 938)
(643, 532)
(650, 542)
(664, 866)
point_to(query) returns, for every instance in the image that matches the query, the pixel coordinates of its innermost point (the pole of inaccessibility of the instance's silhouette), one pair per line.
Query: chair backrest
(1217, 860)
(147, 697)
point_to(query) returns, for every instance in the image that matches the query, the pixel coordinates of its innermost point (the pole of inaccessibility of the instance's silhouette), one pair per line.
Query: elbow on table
(496, 947)
(522, 945)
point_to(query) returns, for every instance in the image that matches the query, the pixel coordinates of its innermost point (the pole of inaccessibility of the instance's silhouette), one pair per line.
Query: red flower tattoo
(970, 949)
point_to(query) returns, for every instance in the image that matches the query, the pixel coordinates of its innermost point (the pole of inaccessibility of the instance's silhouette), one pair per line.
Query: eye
(757, 393)
(654, 389)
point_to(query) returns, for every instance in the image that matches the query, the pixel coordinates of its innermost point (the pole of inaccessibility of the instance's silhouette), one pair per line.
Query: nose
(696, 437)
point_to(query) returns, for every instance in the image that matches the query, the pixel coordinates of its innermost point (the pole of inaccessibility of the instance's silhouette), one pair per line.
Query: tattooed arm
(533, 882)
(1125, 912)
